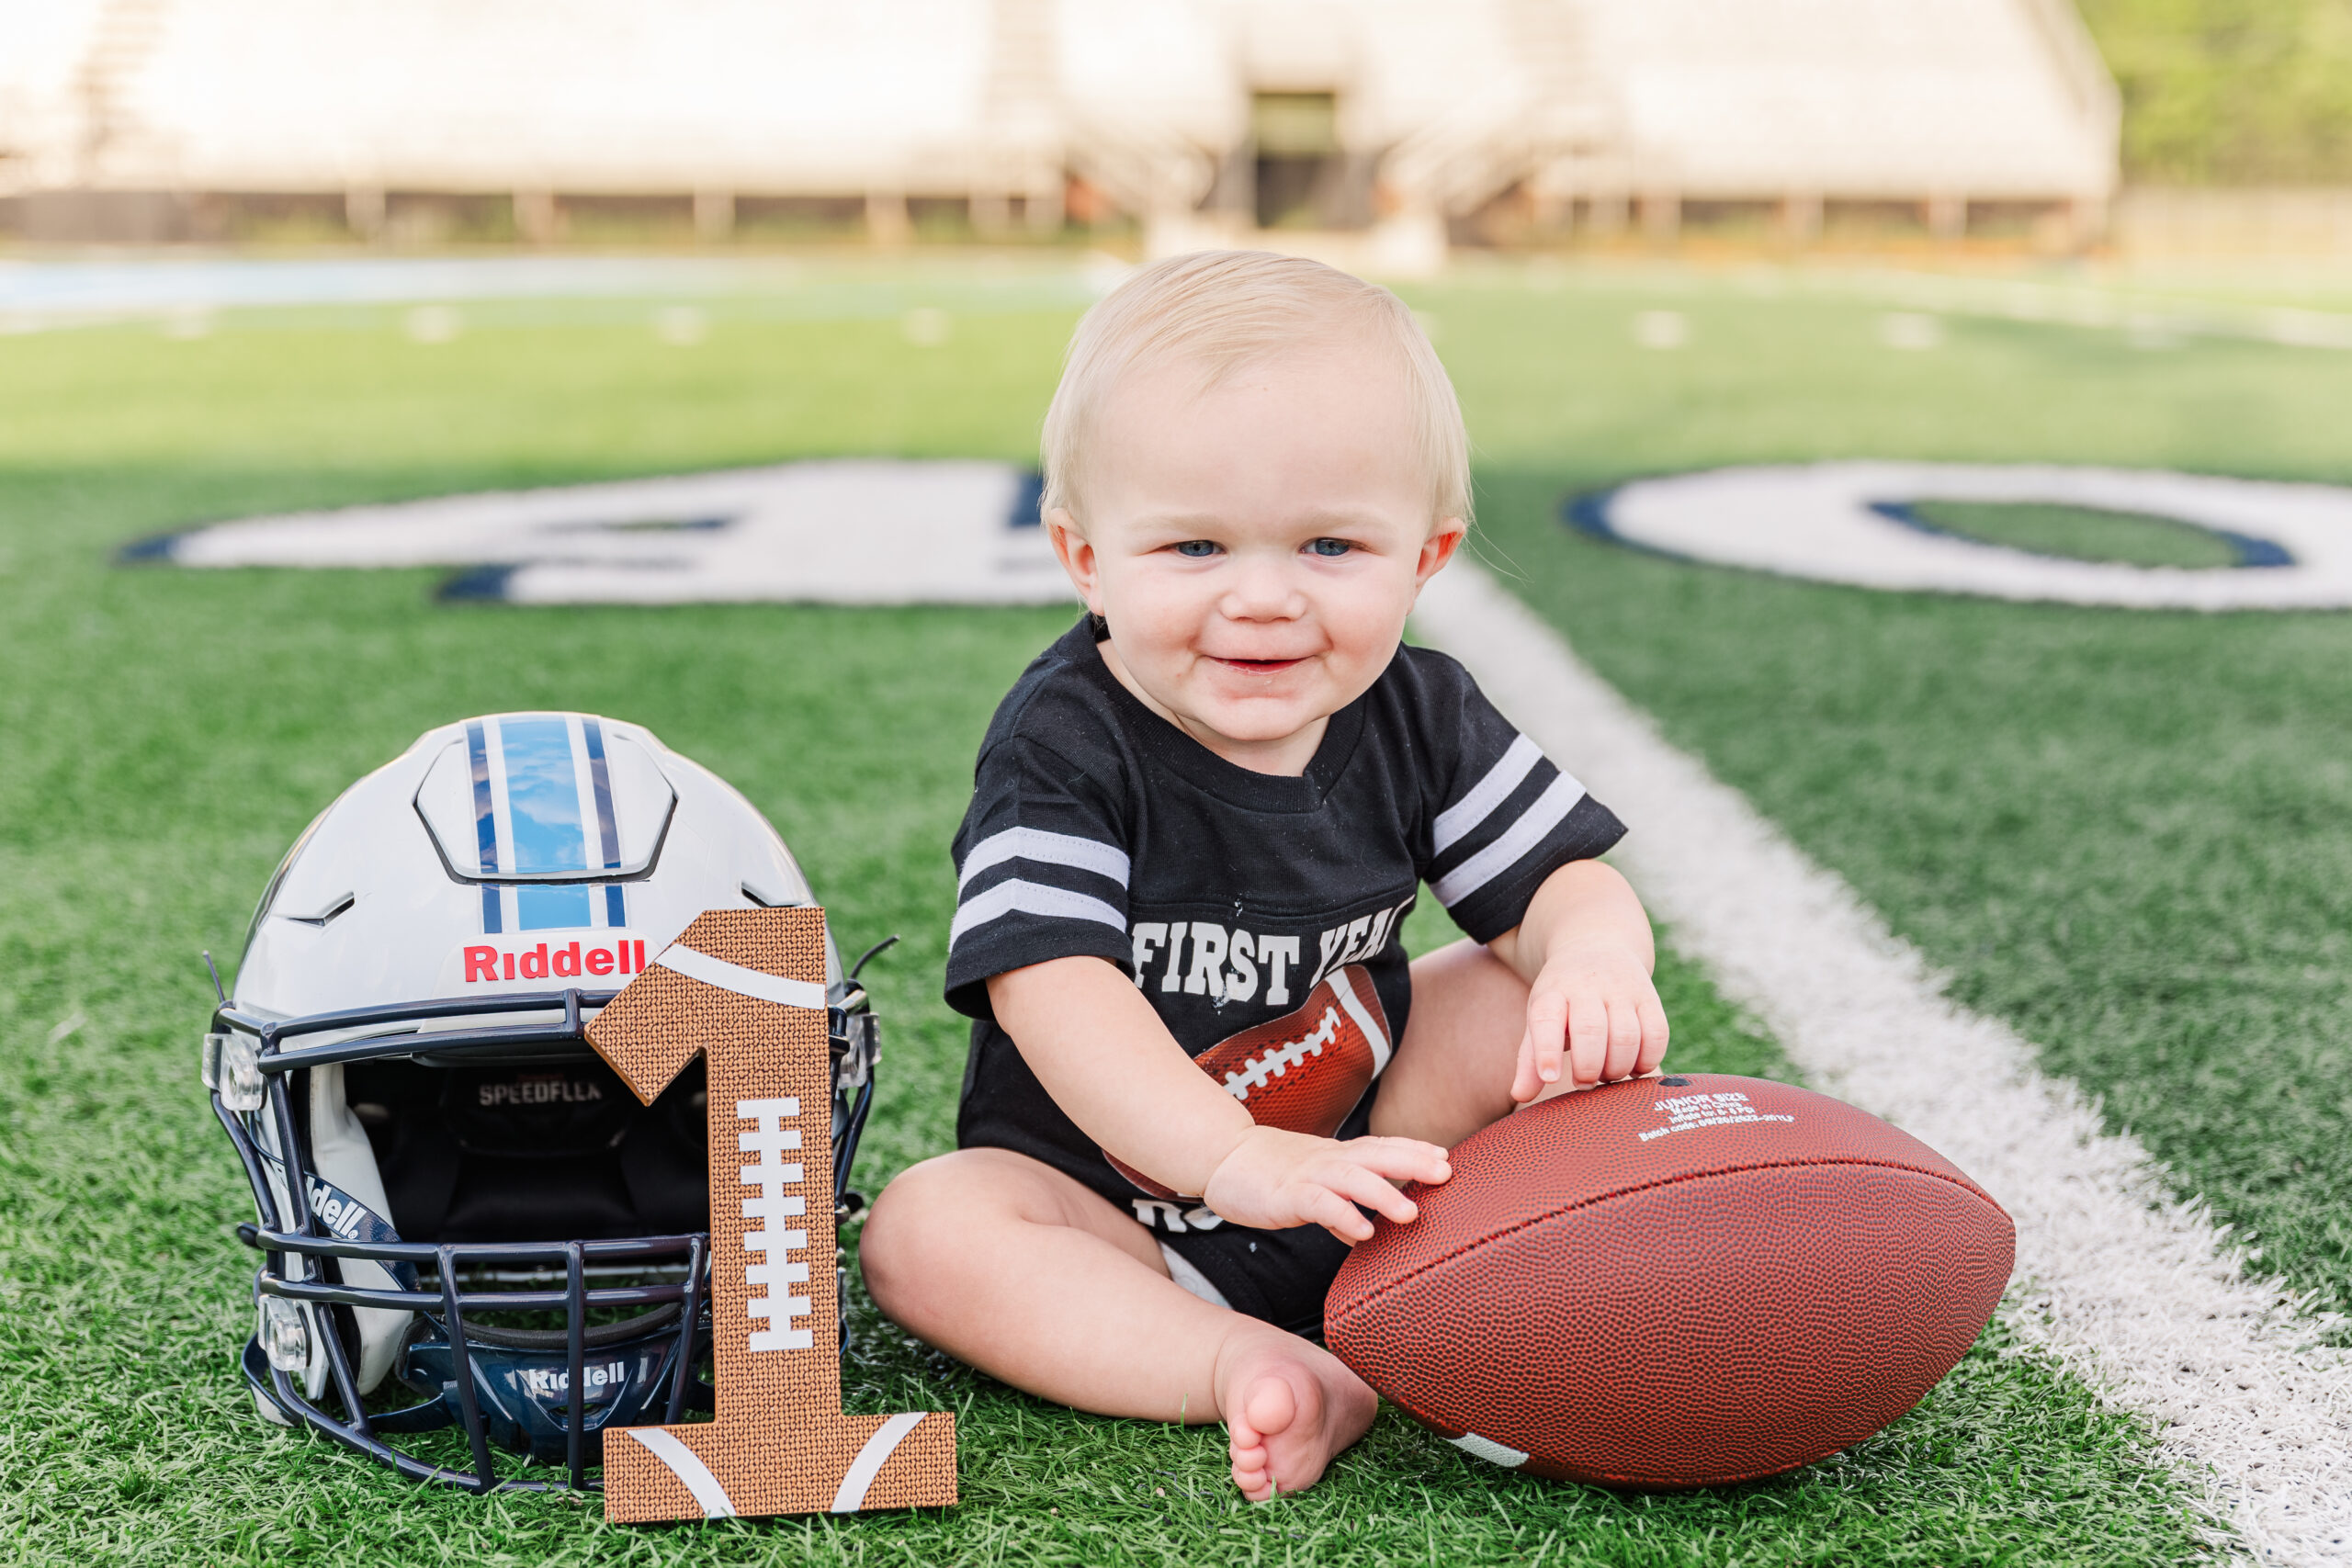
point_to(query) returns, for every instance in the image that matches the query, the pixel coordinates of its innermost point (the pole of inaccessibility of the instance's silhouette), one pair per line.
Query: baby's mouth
(1259, 666)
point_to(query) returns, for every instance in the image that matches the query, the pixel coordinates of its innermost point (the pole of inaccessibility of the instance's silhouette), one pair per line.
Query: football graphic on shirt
(1302, 1072)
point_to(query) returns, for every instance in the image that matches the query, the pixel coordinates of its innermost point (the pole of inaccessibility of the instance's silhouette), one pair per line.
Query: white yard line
(2139, 1296)
(2151, 319)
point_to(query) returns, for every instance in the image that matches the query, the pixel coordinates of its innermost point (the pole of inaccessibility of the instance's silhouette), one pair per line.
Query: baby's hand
(1594, 997)
(1274, 1180)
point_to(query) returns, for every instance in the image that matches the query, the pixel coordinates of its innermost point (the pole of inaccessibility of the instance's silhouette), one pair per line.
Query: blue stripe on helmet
(600, 778)
(485, 818)
(543, 819)
(542, 795)
(485, 824)
(538, 907)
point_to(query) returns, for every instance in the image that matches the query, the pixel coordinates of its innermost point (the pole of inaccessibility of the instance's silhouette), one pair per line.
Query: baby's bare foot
(1288, 1407)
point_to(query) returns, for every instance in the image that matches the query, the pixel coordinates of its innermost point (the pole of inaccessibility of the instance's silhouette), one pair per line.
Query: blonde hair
(1220, 311)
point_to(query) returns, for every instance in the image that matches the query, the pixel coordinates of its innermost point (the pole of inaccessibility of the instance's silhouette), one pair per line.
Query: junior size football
(1673, 1283)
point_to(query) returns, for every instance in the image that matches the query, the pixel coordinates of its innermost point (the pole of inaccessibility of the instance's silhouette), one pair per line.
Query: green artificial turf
(164, 734)
(2123, 831)
(2080, 533)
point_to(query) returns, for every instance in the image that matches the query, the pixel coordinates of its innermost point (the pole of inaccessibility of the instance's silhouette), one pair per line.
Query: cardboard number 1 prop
(746, 989)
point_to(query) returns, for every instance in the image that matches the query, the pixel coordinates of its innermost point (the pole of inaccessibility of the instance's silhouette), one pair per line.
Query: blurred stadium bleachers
(1409, 118)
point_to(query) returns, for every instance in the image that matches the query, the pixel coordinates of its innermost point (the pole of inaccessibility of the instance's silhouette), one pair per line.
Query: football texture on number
(1671, 1282)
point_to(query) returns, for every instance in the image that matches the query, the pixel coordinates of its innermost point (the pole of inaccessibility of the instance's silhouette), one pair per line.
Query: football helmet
(467, 1221)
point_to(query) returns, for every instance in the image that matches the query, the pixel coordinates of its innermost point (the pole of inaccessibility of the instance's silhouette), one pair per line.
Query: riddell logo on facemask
(613, 958)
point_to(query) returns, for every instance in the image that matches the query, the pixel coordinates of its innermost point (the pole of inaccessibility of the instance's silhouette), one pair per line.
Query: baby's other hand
(1273, 1180)
(1594, 1005)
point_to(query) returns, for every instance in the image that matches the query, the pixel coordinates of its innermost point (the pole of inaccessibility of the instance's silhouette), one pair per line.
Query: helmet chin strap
(348, 1219)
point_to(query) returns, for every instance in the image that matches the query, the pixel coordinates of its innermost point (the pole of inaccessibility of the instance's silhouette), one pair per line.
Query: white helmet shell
(523, 852)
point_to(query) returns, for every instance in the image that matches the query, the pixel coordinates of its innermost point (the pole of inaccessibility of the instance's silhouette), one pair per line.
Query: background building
(1408, 120)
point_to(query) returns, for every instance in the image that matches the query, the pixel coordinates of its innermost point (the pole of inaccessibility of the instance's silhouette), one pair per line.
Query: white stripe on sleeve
(1456, 821)
(1031, 899)
(1549, 810)
(1047, 849)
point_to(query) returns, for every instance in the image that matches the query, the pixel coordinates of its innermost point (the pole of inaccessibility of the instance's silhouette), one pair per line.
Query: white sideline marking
(871, 1458)
(688, 1467)
(2151, 320)
(2136, 1292)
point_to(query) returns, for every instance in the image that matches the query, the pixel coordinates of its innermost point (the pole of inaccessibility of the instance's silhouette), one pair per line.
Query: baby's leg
(1452, 1072)
(1028, 1275)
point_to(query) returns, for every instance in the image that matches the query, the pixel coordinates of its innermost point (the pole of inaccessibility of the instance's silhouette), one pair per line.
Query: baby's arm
(1585, 950)
(1109, 1062)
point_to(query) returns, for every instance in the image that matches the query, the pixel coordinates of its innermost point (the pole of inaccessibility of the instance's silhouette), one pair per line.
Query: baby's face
(1256, 547)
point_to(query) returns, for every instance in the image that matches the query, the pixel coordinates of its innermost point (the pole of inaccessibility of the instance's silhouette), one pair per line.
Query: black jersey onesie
(1260, 914)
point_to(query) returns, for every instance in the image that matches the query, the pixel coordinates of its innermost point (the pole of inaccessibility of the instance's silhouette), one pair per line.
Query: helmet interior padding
(543, 1150)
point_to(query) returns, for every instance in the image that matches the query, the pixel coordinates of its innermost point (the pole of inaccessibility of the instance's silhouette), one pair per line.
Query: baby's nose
(1263, 590)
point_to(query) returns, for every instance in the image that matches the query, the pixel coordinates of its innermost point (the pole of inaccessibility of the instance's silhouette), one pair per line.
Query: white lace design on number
(771, 1176)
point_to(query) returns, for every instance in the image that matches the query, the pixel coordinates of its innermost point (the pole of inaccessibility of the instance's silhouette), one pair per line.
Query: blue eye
(1196, 548)
(1329, 547)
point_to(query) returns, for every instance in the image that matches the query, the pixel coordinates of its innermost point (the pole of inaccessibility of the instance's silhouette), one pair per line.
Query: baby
(1201, 1054)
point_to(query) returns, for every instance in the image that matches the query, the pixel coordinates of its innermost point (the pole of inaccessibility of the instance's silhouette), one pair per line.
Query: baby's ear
(1076, 555)
(1439, 548)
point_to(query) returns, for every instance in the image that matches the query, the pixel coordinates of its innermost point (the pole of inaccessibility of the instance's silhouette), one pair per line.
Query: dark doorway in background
(1301, 175)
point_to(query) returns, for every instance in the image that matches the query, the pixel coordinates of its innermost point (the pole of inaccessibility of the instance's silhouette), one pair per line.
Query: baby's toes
(1250, 1467)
